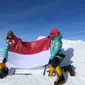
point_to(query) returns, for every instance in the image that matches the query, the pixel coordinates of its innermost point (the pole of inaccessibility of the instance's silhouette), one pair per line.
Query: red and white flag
(29, 54)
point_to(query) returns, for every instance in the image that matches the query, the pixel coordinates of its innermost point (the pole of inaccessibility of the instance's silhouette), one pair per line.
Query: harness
(60, 56)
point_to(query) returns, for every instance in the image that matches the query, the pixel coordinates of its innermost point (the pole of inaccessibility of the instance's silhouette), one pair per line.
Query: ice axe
(45, 69)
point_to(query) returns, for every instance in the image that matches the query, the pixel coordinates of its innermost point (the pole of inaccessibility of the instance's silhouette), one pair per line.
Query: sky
(29, 19)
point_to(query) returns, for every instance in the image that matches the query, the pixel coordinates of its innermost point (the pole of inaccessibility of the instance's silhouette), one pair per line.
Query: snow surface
(75, 54)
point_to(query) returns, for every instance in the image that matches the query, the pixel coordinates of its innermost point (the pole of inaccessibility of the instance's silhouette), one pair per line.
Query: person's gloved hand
(4, 60)
(48, 36)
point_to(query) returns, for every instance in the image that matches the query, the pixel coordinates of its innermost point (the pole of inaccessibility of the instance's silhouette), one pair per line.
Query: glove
(50, 61)
(48, 36)
(4, 60)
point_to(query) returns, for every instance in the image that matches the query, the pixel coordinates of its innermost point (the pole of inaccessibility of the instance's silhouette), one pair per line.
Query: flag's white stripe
(28, 61)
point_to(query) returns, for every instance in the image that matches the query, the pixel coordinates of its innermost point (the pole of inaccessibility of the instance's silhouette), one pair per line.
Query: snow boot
(70, 69)
(51, 71)
(60, 80)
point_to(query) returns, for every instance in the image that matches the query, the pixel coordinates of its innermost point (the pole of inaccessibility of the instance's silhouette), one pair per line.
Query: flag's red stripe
(33, 47)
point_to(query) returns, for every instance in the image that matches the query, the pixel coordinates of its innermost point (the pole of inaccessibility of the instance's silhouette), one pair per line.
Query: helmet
(54, 31)
(3, 70)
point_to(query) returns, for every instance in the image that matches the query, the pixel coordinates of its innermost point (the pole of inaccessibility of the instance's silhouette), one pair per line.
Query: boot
(60, 80)
(55, 83)
(51, 71)
(70, 69)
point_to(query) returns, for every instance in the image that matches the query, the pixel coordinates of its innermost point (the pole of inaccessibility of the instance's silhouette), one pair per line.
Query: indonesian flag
(29, 54)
